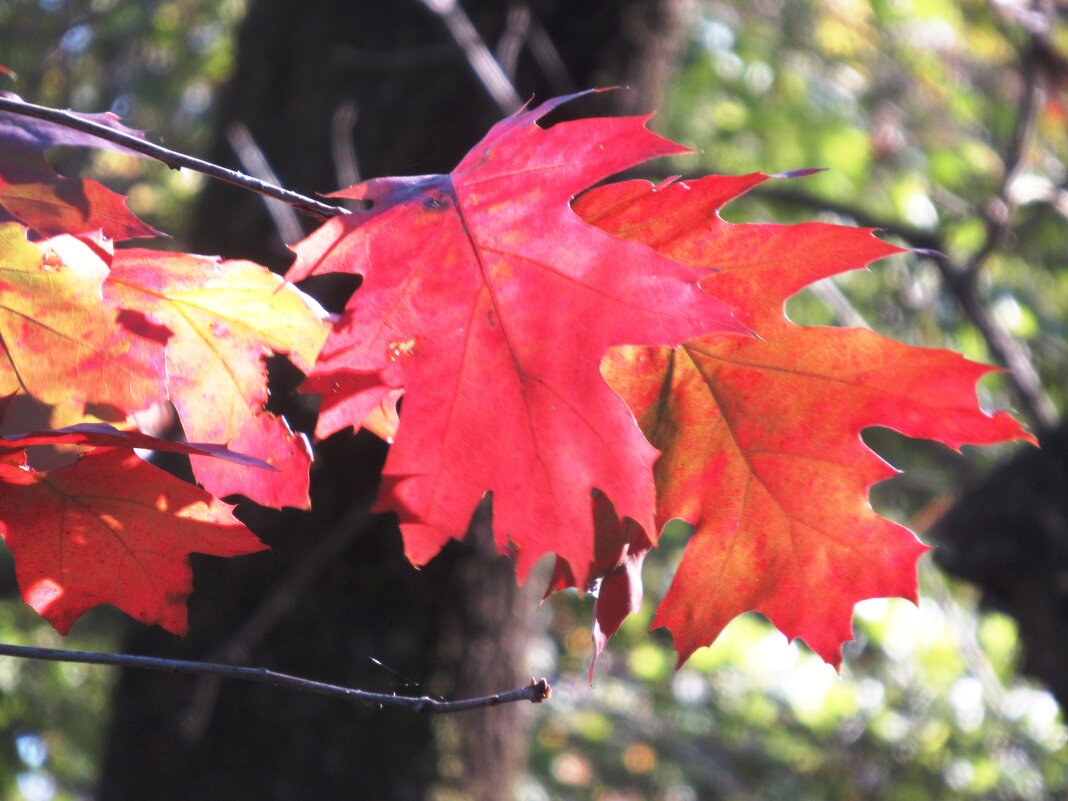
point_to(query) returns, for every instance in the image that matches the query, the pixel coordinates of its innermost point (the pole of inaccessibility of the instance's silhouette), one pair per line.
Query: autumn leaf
(61, 344)
(620, 547)
(760, 436)
(51, 204)
(225, 318)
(490, 303)
(353, 397)
(111, 529)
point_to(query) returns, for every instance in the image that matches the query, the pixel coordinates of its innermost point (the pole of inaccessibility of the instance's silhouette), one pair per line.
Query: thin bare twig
(549, 60)
(478, 55)
(537, 691)
(977, 661)
(997, 210)
(171, 158)
(239, 646)
(841, 306)
(342, 126)
(510, 45)
(997, 215)
(254, 160)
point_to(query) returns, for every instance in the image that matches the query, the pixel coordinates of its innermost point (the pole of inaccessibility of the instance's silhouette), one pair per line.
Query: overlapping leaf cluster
(600, 360)
(89, 333)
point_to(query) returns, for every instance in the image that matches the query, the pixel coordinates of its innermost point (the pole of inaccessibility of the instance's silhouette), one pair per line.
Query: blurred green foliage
(52, 714)
(927, 707)
(912, 107)
(157, 64)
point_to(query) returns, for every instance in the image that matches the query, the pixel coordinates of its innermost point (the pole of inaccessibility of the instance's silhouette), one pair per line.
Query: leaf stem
(171, 158)
(537, 691)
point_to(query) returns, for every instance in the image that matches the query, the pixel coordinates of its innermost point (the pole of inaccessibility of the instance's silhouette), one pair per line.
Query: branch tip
(540, 690)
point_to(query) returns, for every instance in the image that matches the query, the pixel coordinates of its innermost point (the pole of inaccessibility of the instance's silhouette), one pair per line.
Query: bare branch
(840, 305)
(342, 126)
(480, 58)
(254, 160)
(537, 691)
(510, 45)
(549, 60)
(171, 158)
(997, 211)
(962, 622)
(238, 648)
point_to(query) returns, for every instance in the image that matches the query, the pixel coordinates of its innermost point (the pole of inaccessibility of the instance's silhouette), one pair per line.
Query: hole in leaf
(332, 290)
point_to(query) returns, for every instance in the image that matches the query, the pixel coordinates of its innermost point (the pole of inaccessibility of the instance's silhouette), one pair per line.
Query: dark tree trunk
(1009, 535)
(335, 590)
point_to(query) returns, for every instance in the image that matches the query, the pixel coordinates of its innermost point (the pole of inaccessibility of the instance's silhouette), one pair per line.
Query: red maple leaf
(224, 318)
(760, 436)
(490, 303)
(51, 204)
(111, 528)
